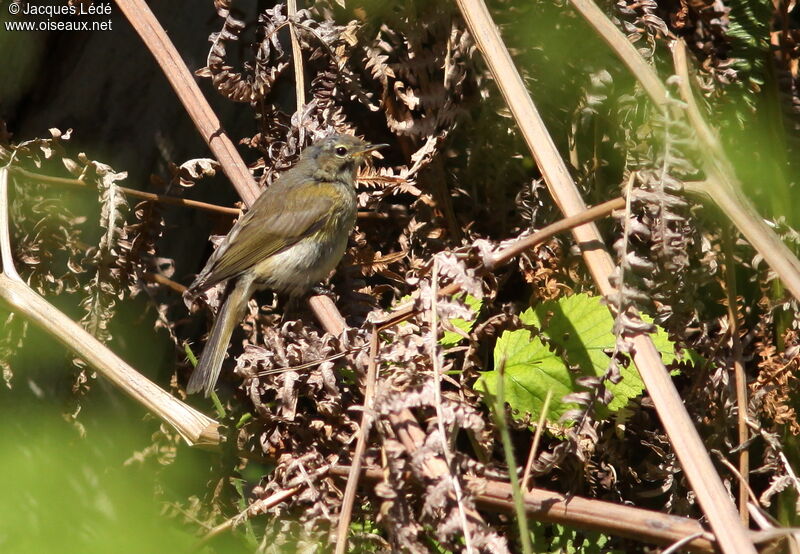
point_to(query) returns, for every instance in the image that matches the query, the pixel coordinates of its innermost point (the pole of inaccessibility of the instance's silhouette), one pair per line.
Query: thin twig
(437, 396)
(681, 543)
(569, 223)
(404, 311)
(310, 364)
(297, 58)
(361, 446)
(161, 280)
(160, 198)
(740, 379)
(748, 492)
(256, 508)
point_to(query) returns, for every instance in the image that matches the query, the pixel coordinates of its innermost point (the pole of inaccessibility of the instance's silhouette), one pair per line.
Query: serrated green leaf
(578, 329)
(530, 370)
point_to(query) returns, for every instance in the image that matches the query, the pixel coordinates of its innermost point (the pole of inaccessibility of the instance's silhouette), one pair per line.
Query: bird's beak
(370, 148)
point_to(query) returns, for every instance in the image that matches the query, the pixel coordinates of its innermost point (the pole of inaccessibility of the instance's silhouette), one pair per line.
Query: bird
(290, 240)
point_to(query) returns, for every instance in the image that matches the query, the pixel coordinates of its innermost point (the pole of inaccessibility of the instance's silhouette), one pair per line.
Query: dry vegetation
(418, 399)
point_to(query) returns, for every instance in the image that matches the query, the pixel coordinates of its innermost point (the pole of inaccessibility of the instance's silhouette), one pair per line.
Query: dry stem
(505, 255)
(740, 379)
(196, 428)
(160, 198)
(297, 58)
(361, 446)
(723, 187)
(254, 509)
(537, 436)
(437, 394)
(155, 38)
(585, 513)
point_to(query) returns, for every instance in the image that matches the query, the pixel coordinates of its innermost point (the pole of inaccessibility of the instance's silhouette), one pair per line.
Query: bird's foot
(321, 290)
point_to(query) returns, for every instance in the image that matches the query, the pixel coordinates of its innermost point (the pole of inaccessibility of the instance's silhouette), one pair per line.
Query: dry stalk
(437, 395)
(196, 428)
(723, 187)
(404, 311)
(297, 58)
(155, 38)
(164, 281)
(160, 198)
(680, 544)
(740, 379)
(537, 436)
(542, 505)
(361, 446)
(254, 509)
(694, 458)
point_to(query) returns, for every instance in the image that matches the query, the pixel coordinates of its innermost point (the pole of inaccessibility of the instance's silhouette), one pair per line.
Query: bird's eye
(341, 151)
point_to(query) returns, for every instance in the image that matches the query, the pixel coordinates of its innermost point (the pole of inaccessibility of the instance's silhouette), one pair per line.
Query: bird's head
(337, 156)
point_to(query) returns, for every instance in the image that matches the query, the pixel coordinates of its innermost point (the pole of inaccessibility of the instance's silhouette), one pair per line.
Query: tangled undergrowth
(457, 185)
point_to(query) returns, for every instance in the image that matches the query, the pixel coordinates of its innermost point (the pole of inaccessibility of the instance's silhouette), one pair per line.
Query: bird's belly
(301, 266)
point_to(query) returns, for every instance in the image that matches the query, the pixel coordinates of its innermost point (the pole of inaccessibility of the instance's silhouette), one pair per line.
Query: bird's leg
(292, 304)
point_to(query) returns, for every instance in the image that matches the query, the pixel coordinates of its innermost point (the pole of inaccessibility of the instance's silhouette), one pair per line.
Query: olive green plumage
(291, 238)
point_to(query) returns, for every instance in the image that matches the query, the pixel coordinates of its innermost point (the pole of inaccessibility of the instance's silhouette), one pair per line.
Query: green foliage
(554, 538)
(566, 339)
(63, 495)
(749, 38)
(451, 338)
(365, 537)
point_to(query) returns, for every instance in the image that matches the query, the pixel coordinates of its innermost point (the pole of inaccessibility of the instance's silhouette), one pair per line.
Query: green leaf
(578, 339)
(451, 338)
(530, 370)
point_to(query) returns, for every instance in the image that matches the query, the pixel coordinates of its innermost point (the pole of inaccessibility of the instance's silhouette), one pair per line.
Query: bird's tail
(205, 375)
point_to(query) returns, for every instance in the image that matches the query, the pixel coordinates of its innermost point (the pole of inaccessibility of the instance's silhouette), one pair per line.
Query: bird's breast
(310, 260)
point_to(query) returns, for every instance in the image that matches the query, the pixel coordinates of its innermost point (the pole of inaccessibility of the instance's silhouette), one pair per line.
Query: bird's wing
(292, 213)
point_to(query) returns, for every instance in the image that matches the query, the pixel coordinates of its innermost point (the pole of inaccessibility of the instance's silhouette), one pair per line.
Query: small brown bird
(290, 240)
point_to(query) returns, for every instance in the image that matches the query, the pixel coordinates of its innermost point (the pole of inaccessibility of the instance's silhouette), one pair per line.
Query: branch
(155, 38)
(196, 428)
(361, 446)
(404, 311)
(724, 189)
(160, 198)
